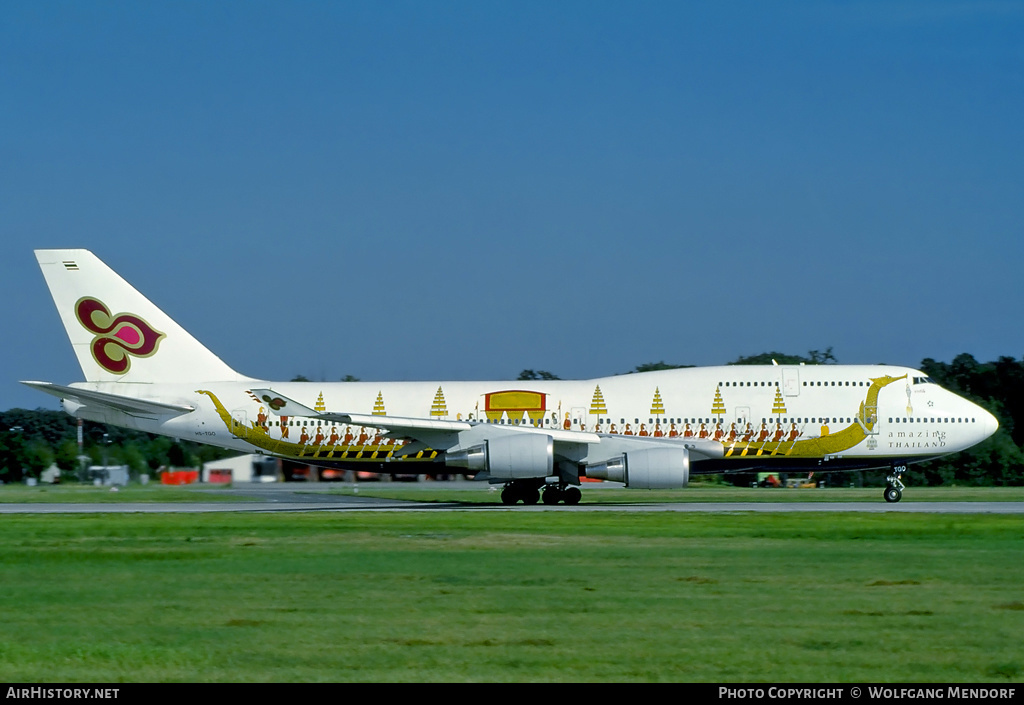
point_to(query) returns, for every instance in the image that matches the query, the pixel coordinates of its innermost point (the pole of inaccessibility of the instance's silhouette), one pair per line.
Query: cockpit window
(923, 380)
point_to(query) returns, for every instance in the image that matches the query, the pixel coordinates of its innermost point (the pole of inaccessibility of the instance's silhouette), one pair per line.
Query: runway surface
(289, 498)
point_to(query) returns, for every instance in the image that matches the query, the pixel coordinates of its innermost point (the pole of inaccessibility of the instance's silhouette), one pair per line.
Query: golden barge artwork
(330, 442)
(316, 443)
(824, 445)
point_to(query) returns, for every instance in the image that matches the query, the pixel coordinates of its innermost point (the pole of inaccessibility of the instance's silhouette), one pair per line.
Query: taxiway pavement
(307, 498)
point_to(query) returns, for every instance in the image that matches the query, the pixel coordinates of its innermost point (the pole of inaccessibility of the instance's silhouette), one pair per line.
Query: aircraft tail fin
(119, 335)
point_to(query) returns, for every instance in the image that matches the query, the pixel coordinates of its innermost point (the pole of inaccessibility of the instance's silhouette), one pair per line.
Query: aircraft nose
(989, 423)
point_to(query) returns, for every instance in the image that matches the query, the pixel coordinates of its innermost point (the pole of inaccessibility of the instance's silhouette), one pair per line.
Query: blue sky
(461, 190)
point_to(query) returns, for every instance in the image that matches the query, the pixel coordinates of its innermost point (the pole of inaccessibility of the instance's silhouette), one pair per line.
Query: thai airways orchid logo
(277, 403)
(118, 338)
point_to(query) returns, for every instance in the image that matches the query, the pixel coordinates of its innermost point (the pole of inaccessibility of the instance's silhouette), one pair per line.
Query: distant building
(108, 474)
(50, 475)
(241, 468)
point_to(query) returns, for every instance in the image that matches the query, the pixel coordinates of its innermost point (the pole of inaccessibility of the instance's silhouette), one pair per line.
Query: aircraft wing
(281, 405)
(415, 427)
(442, 434)
(129, 405)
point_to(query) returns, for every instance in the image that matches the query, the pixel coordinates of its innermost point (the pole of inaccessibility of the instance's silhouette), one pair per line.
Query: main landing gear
(529, 492)
(894, 488)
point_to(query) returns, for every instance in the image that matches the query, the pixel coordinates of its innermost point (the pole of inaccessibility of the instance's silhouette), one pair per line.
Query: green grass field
(512, 596)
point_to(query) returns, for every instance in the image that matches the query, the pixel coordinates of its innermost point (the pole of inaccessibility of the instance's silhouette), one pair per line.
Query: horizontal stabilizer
(129, 405)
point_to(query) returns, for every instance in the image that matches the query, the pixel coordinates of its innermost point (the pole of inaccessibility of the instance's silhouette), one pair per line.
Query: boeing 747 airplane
(536, 438)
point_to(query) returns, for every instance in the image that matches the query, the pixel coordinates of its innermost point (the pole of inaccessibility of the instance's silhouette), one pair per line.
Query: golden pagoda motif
(718, 407)
(439, 408)
(320, 403)
(779, 408)
(657, 407)
(378, 406)
(597, 403)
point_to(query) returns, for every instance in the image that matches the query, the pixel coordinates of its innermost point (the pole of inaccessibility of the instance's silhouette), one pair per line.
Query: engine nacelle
(650, 469)
(90, 413)
(512, 457)
(71, 406)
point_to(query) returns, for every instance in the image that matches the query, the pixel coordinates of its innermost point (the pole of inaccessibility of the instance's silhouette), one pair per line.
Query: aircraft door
(791, 381)
(743, 430)
(579, 418)
(238, 420)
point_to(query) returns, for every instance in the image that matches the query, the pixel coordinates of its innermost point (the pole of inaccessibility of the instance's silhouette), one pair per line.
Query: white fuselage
(829, 416)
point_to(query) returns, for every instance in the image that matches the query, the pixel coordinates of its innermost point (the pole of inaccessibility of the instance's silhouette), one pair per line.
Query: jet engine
(89, 413)
(650, 469)
(71, 406)
(511, 457)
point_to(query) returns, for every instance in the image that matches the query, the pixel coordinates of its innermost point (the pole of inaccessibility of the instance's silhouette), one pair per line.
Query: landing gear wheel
(529, 492)
(894, 486)
(555, 493)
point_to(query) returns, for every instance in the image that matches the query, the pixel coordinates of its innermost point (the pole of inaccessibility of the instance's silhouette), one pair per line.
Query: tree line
(32, 441)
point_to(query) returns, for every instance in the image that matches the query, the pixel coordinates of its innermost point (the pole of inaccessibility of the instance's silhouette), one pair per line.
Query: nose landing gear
(894, 487)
